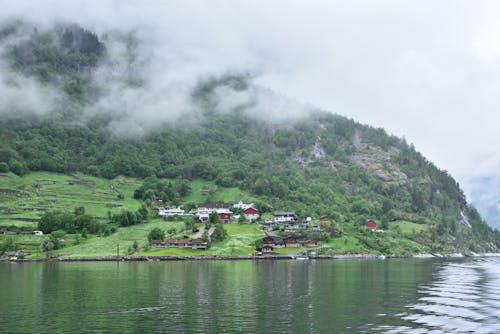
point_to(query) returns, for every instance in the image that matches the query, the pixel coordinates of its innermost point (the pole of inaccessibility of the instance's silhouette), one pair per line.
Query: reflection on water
(391, 296)
(463, 298)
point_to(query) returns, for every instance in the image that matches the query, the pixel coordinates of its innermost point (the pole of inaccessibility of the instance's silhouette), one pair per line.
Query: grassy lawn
(407, 228)
(346, 244)
(124, 238)
(239, 242)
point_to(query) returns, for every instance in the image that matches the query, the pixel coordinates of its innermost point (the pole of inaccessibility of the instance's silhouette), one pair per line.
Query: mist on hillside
(141, 79)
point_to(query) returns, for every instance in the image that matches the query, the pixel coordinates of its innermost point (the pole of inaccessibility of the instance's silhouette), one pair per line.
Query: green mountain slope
(316, 164)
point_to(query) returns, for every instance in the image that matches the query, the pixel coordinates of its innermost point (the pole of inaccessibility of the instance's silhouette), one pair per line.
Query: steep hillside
(316, 162)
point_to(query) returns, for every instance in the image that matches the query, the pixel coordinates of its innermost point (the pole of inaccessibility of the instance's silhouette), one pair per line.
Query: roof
(280, 213)
(371, 224)
(274, 238)
(252, 209)
(214, 205)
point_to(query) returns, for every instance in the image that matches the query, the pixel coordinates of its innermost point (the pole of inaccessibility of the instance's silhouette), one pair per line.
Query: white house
(211, 207)
(284, 217)
(205, 209)
(252, 214)
(242, 205)
(171, 211)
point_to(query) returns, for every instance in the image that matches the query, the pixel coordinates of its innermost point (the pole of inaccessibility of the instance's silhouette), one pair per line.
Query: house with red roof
(370, 224)
(252, 214)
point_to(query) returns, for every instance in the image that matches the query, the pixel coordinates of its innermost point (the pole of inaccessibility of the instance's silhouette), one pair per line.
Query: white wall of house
(171, 211)
(283, 219)
(242, 205)
(252, 216)
(202, 210)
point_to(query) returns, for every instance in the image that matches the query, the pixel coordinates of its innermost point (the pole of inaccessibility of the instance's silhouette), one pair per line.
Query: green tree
(156, 234)
(213, 218)
(171, 231)
(8, 244)
(18, 167)
(143, 212)
(4, 168)
(79, 211)
(220, 233)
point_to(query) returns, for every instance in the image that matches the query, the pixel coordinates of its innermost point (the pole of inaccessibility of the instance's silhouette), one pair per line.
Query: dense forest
(318, 164)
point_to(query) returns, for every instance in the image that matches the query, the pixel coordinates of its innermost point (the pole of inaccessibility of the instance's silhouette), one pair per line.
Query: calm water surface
(351, 296)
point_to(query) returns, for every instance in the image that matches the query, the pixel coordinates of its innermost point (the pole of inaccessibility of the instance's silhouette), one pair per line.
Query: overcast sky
(426, 70)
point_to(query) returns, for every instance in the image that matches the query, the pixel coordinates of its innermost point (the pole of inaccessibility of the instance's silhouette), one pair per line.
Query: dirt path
(199, 233)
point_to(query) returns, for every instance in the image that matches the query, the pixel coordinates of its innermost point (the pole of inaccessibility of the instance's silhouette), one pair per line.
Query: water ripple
(462, 299)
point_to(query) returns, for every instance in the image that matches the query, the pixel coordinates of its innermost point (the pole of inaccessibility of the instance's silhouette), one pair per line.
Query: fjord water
(315, 296)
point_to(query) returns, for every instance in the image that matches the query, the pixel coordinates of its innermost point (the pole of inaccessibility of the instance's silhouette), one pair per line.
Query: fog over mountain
(424, 70)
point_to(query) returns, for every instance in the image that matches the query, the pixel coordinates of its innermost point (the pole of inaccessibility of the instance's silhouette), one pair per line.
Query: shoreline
(254, 258)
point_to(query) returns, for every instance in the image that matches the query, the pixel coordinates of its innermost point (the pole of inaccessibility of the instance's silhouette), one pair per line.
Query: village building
(242, 205)
(325, 218)
(269, 224)
(284, 217)
(198, 244)
(291, 242)
(171, 211)
(308, 242)
(301, 226)
(371, 224)
(211, 207)
(251, 214)
(267, 249)
(205, 209)
(183, 243)
(274, 241)
(224, 217)
(270, 242)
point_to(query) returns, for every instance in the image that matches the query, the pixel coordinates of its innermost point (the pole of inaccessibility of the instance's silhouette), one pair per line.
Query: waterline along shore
(266, 257)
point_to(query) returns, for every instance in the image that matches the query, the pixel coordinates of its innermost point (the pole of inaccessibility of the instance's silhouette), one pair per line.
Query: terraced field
(23, 200)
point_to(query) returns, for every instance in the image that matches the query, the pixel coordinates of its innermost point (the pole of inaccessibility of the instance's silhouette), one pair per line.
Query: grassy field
(206, 191)
(346, 244)
(239, 242)
(407, 228)
(123, 239)
(24, 199)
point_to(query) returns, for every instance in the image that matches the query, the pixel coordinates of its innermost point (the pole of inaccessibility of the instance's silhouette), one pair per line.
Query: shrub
(4, 168)
(156, 234)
